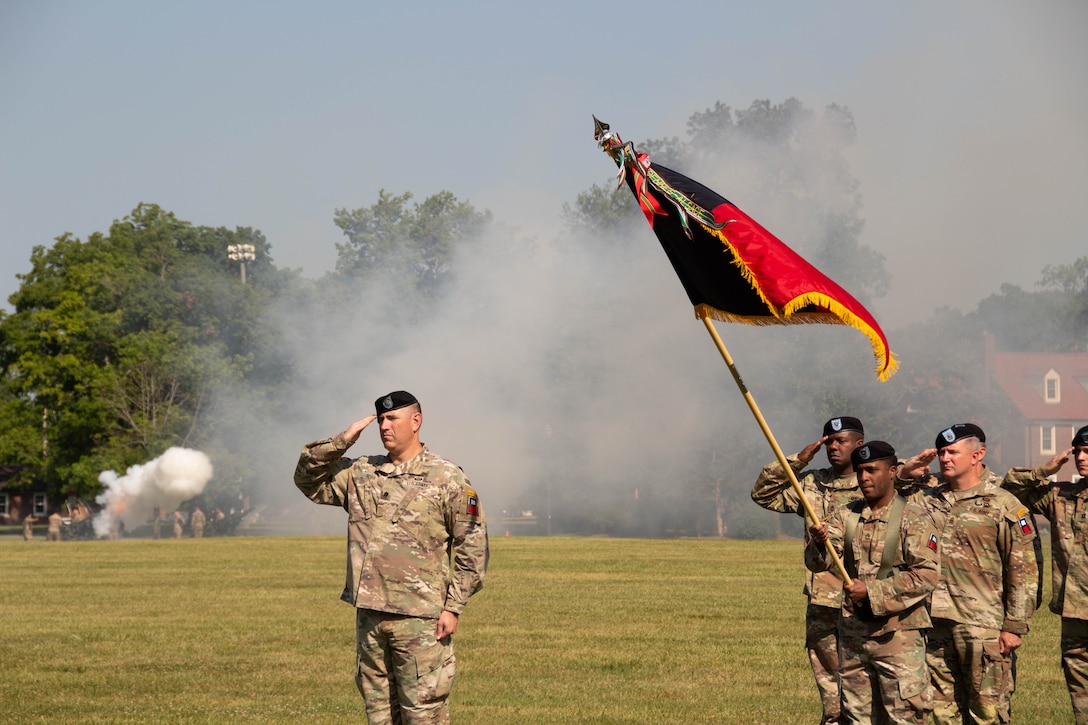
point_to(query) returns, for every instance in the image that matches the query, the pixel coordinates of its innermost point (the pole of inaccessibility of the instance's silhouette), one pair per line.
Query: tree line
(143, 337)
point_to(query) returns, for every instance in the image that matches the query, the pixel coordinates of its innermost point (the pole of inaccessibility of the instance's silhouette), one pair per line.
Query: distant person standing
(417, 550)
(55, 522)
(196, 522)
(826, 489)
(28, 527)
(179, 524)
(1065, 504)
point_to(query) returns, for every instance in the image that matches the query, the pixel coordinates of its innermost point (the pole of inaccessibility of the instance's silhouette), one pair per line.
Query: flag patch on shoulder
(1025, 527)
(932, 543)
(472, 503)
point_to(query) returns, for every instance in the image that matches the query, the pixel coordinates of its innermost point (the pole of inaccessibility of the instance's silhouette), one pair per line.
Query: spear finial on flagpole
(600, 128)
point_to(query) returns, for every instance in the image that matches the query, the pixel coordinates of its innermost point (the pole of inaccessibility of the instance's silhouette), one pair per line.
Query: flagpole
(809, 512)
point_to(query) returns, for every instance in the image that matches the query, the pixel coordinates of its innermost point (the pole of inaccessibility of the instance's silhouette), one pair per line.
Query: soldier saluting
(826, 489)
(983, 604)
(417, 550)
(1065, 504)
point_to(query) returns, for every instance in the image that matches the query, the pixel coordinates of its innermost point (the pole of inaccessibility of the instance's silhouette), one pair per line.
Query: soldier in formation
(986, 595)
(826, 489)
(410, 514)
(1065, 505)
(890, 549)
(988, 586)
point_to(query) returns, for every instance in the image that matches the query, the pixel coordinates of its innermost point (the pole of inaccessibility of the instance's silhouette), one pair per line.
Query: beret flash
(838, 425)
(958, 432)
(396, 399)
(871, 451)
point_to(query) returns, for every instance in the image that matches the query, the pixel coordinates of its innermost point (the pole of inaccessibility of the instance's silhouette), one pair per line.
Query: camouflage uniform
(1066, 506)
(196, 522)
(55, 522)
(882, 651)
(989, 582)
(825, 492)
(406, 523)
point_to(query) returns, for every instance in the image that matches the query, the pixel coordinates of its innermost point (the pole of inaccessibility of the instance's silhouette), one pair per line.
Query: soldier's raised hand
(1054, 464)
(919, 464)
(809, 452)
(352, 433)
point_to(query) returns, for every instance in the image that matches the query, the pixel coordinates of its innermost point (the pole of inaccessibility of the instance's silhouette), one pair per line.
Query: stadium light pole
(241, 253)
(548, 485)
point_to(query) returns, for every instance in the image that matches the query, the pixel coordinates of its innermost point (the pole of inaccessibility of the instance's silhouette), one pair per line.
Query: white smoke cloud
(164, 482)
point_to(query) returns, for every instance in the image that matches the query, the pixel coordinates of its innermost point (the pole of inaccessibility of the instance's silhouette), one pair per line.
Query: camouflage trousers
(972, 680)
(403, 672)
(884, 678)
(1075, 665)
(822, 643)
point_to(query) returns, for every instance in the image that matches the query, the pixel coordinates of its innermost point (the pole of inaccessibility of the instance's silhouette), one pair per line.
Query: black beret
(396, 399)
(1081, 438)
(957, 432)
(871, 451)
(838, 425)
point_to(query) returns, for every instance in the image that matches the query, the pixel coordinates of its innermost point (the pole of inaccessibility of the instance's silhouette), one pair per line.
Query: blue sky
(973, 117)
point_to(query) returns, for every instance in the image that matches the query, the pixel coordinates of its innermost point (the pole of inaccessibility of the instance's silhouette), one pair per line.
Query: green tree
(943, 378)
(119, 345)
(410, 244)
(603, 212)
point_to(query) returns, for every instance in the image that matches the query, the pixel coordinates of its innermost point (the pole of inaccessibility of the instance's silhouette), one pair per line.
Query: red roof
(1022, 376)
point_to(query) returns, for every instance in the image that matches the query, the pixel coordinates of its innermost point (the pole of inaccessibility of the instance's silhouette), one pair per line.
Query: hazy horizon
(971, 158)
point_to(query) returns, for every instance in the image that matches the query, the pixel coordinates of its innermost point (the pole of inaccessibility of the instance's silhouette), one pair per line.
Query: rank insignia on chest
(932, 543)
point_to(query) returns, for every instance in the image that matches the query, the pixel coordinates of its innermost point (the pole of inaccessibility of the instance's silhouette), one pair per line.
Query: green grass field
(567, 630)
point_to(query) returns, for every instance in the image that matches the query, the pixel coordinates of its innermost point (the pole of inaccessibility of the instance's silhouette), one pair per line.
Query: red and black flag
(732, 268)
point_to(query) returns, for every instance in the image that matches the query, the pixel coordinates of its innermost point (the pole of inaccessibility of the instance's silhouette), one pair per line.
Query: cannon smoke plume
(164, 482)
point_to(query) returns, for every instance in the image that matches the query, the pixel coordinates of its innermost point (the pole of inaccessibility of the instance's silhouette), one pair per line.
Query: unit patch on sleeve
(472, 503)
(1025, 527)
(932, 543)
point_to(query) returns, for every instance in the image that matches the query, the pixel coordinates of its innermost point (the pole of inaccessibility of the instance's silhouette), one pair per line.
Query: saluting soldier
(983, 604)
(410, 514)
(826, 489)
(1065, 504)
(889, 547)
